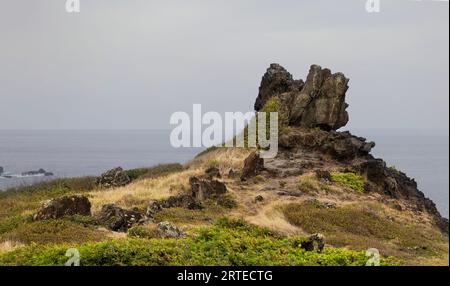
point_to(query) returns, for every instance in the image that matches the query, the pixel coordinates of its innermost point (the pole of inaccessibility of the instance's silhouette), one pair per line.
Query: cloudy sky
(131, 64)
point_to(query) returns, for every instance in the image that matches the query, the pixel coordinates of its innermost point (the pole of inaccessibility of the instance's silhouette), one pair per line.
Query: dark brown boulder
(117, 219)
(64, 206)
(212, 173)
(253, 164)
(114, 178)
(181, 201)
(259, 199)
(315, 242)
(205, 189)
(153, 208)
(323, 175)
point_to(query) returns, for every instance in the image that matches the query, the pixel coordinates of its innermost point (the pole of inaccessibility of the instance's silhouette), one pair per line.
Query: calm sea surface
(80, 153)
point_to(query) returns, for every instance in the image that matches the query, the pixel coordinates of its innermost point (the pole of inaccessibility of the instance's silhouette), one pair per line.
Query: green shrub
(142, 232)
(273, 105)
(53, 231)
(350, 180)
(11, 223)
(227, 201)
(229, 243)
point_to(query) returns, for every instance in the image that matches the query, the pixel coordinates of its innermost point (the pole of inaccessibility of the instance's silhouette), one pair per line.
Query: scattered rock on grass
(253, 164)
(323, 175)
(205, 189)
(212, 173)
(117, 219)
(167, 230)
(315, 242)
(64, 206)
(116, 177)
(259, 199)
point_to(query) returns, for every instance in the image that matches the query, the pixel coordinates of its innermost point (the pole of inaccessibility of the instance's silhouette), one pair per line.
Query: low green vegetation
(349, 180)
(233, 243)
(53, 231)
(273, 105)
(16, 205)
(212, 210)
(148, 231)
(361, 228)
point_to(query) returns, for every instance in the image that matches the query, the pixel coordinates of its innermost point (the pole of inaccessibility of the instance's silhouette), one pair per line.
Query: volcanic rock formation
(318, 102)
(315, 110)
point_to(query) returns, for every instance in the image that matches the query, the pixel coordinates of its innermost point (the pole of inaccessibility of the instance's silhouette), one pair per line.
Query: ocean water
(83, 153)
(424, 157)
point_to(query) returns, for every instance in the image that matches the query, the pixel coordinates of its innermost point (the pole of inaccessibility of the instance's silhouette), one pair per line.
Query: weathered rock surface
(117, 219)
(259, 199)
(319, 102)
(182, 201)
(277, 80)
(116, 177)
(212, 173)
(315, 242)
(205, 189)
(167, 230)
(253, 164)
(315, 109)
(340, 145)
(64, 206)
(38, 172)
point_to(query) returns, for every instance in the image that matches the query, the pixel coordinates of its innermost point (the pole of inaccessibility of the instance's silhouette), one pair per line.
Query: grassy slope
(355, 224)
(225, 243)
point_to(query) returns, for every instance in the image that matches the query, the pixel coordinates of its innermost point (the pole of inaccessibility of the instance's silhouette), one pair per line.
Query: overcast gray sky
(130, 64)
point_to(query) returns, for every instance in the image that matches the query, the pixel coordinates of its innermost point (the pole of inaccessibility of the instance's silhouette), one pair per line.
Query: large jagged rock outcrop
(318, 102)
(315, 109)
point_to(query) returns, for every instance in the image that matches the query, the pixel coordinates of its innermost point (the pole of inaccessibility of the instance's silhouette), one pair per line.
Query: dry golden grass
(8, 246)
(271, 216)
(138, 194)
(223, 158)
